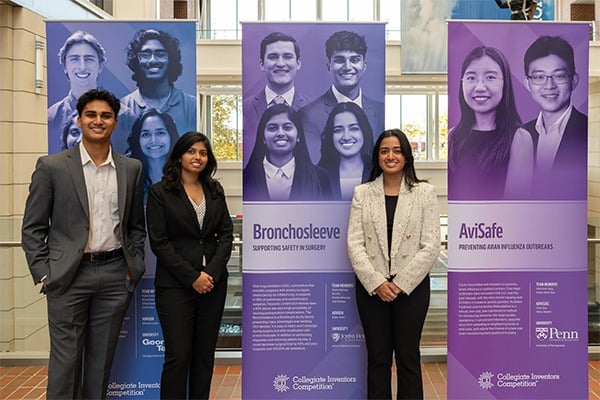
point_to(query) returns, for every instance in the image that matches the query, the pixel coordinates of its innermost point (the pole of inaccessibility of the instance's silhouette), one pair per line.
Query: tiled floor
(30, 382)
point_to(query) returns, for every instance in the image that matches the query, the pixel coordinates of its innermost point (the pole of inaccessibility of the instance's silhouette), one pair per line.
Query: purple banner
(86, 54)
(310, 106)
(517, 210)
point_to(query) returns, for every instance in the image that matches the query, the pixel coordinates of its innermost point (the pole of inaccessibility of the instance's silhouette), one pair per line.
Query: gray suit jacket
(415, 240)
(56, 219)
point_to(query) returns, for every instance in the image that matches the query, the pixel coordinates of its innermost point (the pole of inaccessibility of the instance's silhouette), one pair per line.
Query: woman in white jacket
(393, 242)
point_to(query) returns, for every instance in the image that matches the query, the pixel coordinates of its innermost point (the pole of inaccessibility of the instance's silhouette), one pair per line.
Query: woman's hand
(388, 291)
(204, 283)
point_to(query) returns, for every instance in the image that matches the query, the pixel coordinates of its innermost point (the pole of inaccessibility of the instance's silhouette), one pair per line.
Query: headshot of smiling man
(347, 63)
(154, 57)
(280, 62)
(82, 58)
(559, 132)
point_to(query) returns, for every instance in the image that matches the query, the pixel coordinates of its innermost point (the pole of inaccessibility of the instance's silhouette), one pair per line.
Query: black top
(390, 210)
(469, 180)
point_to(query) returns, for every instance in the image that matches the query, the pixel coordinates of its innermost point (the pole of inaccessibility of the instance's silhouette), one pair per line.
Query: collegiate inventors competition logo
(282, 383)
(511, 380)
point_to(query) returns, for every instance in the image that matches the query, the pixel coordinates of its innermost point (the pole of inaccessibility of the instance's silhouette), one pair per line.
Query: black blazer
(573, 146)
(567, 178)
(180, 245)
(255, 183)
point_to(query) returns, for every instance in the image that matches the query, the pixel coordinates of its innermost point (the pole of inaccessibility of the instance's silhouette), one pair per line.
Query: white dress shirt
(287, 96)
(279, 180)
(549, 140)
(101, 186)
(345, 99)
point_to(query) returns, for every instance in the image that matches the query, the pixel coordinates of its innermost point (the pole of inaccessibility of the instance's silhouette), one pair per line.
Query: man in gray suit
(83, 235)
(347, 63)
(280, 61)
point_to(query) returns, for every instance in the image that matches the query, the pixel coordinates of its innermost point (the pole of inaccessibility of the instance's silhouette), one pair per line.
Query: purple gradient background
(313, 79)
(562, 223)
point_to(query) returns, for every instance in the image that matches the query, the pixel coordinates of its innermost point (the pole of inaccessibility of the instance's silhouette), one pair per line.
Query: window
(106, 5)
(389, 11)
(424, 120)
(290, 10)
(225, 126)
(225, 17)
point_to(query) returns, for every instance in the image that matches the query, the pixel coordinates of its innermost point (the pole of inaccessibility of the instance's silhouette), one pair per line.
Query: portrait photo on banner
(517, 115)
(313, 100)
(150, 66)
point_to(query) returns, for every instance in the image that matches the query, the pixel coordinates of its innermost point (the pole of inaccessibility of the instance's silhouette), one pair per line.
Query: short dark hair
(98, 94)
(346, 40)
(548, 45)
(277, 37)
(171, 44)
(81, 37)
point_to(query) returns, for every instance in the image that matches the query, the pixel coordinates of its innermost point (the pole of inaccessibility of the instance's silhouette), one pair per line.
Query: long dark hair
(305, 175)
(330, 157)
(408, 172)
(507, 117)
(133, 140)
(172, 168)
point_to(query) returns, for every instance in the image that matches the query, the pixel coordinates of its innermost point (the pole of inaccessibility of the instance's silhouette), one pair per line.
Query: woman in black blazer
(191, 234)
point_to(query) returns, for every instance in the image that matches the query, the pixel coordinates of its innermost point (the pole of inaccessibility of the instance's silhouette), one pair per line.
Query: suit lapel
(377, 205)
(187, 203)
(73, 161)
(121, 168)
(402, 214)
(260, 105)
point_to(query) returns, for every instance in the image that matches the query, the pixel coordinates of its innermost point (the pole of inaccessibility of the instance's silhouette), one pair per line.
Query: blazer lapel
(377, 205)
(187, 203)
(121, 168)
(73, 161)
(402, 214)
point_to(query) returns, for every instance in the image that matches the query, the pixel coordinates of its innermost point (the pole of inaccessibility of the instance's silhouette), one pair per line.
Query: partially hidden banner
(311, 110)
(517, 210)
(136, 61)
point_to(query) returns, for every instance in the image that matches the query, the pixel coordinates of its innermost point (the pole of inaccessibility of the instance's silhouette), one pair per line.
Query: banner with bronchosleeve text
(302, 337)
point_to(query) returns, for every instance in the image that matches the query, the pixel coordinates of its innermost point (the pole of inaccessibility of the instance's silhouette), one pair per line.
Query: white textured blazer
(415, 239)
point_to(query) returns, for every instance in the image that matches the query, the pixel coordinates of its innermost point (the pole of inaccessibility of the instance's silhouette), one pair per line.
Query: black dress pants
(394, 328)
(190, 323)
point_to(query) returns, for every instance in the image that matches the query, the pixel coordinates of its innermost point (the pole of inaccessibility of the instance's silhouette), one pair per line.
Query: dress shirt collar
(560, 124)
(287, 170)
(85, 157)
(344, 99)
(288, 96)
